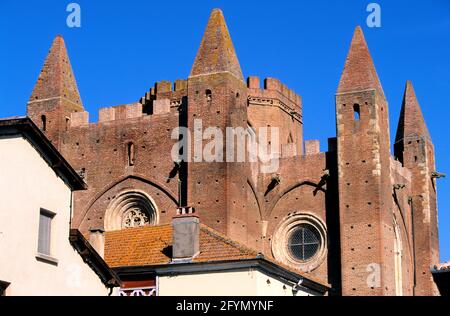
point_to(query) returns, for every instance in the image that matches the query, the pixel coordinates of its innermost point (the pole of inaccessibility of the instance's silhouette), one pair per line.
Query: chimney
(97, 240)
(186, 235)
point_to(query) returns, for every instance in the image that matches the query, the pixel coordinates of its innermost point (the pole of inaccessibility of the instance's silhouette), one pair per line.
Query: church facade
(358, 217)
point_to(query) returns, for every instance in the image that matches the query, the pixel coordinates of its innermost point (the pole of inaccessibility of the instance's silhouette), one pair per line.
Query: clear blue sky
(123, 47)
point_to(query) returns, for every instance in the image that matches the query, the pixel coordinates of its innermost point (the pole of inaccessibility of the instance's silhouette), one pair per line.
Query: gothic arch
(286, 191)
(403, 243)
(116, 183)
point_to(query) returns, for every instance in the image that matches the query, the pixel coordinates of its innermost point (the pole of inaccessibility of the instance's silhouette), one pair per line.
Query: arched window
(44, 123)
(130, 209)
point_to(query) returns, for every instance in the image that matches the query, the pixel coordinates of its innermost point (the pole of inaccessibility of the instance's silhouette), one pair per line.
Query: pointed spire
(56, 78)
(216, 52)
(411, 121)
(359, 71)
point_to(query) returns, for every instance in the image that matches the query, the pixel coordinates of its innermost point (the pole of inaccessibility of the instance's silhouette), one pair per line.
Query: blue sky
(123, 47)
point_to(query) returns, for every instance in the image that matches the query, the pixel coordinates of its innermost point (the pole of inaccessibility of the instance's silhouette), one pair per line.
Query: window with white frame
(45, 232)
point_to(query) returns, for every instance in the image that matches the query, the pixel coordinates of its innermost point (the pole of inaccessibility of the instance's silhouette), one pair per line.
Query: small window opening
(356, 112)
(67, 123)
(44, 122)
(208, 95)
(131, 154)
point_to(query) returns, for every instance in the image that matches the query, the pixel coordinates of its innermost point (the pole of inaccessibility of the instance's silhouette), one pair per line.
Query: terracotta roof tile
(442, 267)
(153, 246)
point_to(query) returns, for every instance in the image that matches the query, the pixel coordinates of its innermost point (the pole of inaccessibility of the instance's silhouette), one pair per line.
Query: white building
(36, 255)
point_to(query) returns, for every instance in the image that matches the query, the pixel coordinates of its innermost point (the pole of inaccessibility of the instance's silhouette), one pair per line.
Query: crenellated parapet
(275, 94)
(164, 90)
(121, 113)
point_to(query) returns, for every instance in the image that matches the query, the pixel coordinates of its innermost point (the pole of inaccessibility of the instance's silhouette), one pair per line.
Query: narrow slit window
(44, 122)
(131, 154)
(356, 112)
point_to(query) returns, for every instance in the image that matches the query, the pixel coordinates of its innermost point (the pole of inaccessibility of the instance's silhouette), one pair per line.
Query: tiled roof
(442, 267)
(153, 246)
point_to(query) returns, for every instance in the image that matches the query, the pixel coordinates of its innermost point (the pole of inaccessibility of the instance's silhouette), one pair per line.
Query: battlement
(165, 89)
(120, 112)
(273, 86)
(273, 89)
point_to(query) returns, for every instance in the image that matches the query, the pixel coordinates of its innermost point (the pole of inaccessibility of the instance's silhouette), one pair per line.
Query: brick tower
(55, 95)
(371, 219)
(217, 98)
(415, 149)
(364, 176)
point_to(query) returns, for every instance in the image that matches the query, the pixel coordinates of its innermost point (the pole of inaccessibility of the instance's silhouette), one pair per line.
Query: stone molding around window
(132, 208)
(281, 236)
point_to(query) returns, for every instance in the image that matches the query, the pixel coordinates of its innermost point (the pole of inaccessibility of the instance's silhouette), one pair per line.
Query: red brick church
(356, 217)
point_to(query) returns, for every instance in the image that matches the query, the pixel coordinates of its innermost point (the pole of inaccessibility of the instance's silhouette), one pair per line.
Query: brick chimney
(186, 235)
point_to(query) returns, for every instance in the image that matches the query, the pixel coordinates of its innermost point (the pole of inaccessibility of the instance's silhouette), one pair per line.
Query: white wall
(237, 283)
(27, 184)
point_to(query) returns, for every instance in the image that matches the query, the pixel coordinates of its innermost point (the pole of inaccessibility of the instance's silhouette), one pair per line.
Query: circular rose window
(300, 242)
(304, 242)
